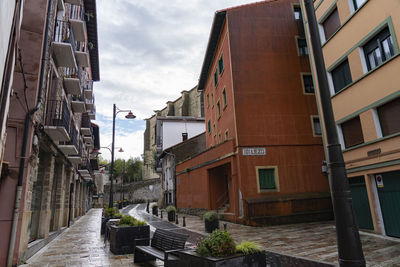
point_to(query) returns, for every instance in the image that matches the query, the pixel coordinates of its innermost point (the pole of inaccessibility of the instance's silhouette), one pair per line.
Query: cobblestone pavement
(315, 241)
(82, 245)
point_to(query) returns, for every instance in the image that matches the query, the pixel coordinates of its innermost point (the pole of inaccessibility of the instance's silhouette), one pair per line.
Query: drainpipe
(25, 142)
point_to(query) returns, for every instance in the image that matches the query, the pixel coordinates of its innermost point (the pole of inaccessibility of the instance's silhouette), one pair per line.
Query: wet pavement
(82, 245)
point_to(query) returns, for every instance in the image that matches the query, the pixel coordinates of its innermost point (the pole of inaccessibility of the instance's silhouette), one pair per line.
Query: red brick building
(263, 137)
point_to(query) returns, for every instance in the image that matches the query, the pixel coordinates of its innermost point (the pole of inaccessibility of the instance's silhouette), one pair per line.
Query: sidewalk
(310, 241)
(82, 245)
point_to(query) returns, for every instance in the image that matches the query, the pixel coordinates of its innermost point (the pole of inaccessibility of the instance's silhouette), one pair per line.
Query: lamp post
(129, 116)
(348, 239)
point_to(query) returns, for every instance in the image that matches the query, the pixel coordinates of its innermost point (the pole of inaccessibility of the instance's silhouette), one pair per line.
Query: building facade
(49, 135)
(360, 46)
(262, 163)
(188, 105)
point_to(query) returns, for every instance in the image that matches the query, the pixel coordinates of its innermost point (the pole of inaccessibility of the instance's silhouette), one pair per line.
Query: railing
(58, 114)
(64, 34)
(90, 101)
(85, 123)
(77, 12)
(85, 165)
(74, 137)
(222, 199)
(71, 72)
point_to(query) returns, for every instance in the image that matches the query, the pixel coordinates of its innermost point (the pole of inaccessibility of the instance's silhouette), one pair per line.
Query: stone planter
(210, 226)
(120, 205)
(171, 216)
(122, 238)
(154, 211)
(192, 259)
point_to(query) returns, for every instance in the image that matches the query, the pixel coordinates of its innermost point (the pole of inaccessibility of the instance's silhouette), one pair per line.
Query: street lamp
(348, 239)
(129, 116)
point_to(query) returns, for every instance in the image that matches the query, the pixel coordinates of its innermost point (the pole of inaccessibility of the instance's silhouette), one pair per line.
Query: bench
(163, 244)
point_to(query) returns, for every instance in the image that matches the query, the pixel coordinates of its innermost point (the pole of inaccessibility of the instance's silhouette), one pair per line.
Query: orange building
(264, 150)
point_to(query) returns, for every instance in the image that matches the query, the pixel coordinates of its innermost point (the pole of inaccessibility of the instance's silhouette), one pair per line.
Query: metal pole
(111, 202)
(348, 239)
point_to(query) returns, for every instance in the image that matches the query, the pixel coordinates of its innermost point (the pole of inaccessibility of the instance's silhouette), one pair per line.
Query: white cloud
(150, 50)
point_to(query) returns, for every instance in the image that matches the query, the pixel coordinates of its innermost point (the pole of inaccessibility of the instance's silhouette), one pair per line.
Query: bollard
(176, 221)
(225, 225)
(161, 214)
(184, 221)
(147, 208)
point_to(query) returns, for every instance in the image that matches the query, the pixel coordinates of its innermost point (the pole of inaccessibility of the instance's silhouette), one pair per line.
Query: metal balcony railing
(74, 137)
(77, 12)
(58, 114)
(85, 122)
(64, 34)
(85, 165)
(71, 72)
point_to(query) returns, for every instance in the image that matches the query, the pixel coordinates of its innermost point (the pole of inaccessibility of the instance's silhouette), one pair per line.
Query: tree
(130, 170)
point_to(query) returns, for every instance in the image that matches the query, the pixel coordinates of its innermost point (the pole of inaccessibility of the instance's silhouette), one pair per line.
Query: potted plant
(154, 209)
(124, 233)
(219, 249)
(109, 213)
(211, 221)
(171, 210)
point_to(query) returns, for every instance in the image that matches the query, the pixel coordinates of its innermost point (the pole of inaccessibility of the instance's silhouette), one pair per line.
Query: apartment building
(360, 48)
(189, 104)
(262, 163)
(49, 136)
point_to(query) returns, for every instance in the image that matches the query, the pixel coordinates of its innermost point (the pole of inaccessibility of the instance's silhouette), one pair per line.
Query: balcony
(78, 104)
(85, 169)
(60, 5)
(86, 127)
(63, 45)
(90, 104)
(71, 81)
(92, 114)
(88, 89)
(76, 159)
(78, 25)
(81, 54)
(70, 147)
(57, 121)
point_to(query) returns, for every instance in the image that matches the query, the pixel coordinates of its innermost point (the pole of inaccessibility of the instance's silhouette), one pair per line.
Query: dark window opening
(341, 76)
(352, 132)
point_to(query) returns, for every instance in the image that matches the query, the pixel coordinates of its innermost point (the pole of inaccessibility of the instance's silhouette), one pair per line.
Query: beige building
(361, 51)
(189, 104)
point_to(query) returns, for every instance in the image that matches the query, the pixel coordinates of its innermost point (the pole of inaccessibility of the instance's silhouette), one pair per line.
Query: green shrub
(218, 244)
(118, 215)
(170, 208)
(210, 216)
(248, 247)
(110, 212)
(127, 221)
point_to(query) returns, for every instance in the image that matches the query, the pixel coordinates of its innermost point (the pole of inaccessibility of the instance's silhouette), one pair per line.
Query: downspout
(25, 143)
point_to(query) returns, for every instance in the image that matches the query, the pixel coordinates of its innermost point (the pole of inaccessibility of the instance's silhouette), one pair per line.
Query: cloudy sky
(150, 50)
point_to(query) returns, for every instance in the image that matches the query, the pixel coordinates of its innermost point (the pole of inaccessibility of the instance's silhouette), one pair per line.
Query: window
(379, 49)
(316, 126)
(352, 132)
(221, 65)
(209, 126)
(226, 135)
(331, 24)
(215, 132)
(358, 3)
(302, 46)
(212, 100)
(297, 13)
(219, 138)
(215, 78)
(224, 97)
(308, 84)
(341, 76)
(266, 178)
(389, 114)
(208, 100)
(218, 109)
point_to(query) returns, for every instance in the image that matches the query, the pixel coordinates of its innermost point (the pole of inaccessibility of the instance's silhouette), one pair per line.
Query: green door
(360, 203)
(389, 197)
